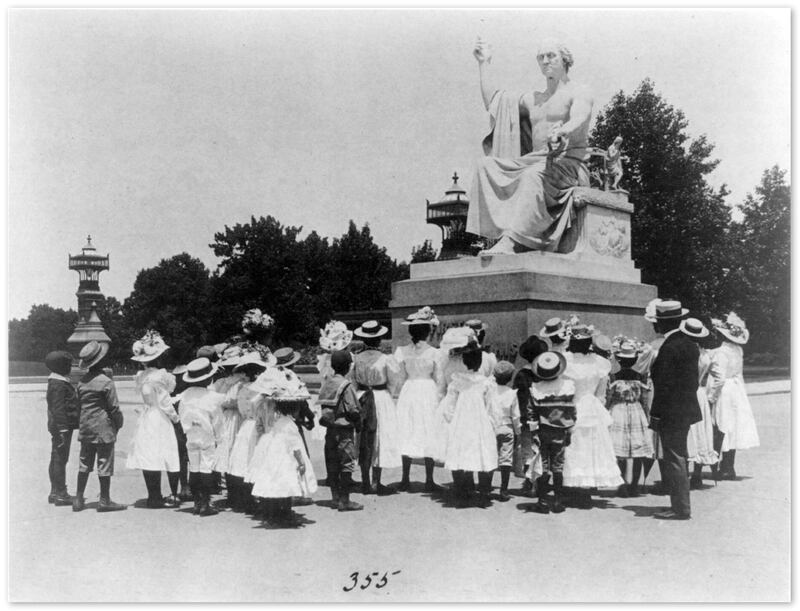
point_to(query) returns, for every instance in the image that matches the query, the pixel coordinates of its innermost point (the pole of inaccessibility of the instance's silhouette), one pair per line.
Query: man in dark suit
(675, 407)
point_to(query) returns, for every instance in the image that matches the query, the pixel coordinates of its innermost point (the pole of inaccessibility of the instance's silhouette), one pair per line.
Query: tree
(46, 329)
(424, 252)
(172, 298)
(111, 314)
(680, 225)
(363, 271)
(759, 281)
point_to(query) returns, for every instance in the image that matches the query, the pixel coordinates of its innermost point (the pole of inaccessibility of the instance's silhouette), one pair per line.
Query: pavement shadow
(297, 521)
(642, 511)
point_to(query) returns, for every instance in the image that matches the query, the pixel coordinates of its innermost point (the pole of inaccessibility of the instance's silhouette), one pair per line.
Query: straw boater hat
(650, 310)
(335, 336)
(149, 347)
(179, 370)
(694, 328)
(231, 355)
(286, 357)
(667, 310)
(733, 329)
(553, 326)
(475, 323)
(424, 316)
(207, 351)
(199, 370)
(370, 329)
(549, 365)
(581, 331)
(92, 353)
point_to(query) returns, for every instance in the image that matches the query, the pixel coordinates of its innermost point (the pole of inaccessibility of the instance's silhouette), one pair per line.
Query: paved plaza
(736, 547)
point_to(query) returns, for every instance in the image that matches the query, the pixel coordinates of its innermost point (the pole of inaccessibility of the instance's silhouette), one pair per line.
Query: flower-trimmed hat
(254, 320)
(257, 355)
(92, 353)
(581, 331)
(553, 326)
(549, 365)
(280, 385)
(733, 329)
(371, 328)
(230, 356)
(199, 370)
(149, 347)
(286, 357)
(424, 316)
(694, 328)
(335, 336)
(626, 350)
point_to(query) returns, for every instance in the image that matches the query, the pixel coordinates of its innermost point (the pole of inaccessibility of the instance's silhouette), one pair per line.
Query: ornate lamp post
(88, 264)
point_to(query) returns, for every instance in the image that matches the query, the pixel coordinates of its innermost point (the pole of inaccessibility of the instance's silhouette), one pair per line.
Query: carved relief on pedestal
(610, 237)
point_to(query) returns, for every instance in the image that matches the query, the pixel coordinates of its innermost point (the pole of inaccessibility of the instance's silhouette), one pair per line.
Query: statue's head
(554, 57)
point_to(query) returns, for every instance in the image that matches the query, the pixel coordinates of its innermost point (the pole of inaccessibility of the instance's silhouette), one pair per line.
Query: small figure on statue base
(614, 158)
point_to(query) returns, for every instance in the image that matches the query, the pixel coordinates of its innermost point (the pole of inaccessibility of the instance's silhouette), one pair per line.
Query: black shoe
(157, 503)
(695, 483)
(527, 486)
(483, 501)
(432, 487)
(185, 496)
(728, 475)
(385, 490)
(367, 489)
(633, 490)
(345, 504)
(63, 499)
(404, 486)
(51, 498)
(207, 510)
(541, 507)
(504, 497)
(78, 503)
(105, 505)
(558, 507)
(172, 501)
(672, 515)
(622, 491)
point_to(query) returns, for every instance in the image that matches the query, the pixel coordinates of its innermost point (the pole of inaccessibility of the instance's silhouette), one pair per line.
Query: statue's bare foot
(504, 246)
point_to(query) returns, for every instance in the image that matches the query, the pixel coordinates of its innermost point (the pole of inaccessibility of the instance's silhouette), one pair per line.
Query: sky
(153, 129)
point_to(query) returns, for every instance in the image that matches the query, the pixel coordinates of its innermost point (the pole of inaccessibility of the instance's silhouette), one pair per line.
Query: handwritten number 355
(368, 581)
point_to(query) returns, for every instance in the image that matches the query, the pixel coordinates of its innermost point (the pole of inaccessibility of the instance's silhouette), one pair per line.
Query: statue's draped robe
(519, 193)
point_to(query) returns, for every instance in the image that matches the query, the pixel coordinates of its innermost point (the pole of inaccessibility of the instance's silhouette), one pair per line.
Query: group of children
(571, 415)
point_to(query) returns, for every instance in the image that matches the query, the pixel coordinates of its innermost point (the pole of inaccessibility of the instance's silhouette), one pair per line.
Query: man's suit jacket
(675, 381)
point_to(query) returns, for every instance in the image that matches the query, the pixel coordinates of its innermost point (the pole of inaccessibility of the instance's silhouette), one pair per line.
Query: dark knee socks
(173, 477)
(505, 473)
(406, 469)
(152, 480)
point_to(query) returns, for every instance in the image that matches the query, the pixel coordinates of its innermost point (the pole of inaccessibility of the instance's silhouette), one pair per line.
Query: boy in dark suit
(675, 407)
(63, 409)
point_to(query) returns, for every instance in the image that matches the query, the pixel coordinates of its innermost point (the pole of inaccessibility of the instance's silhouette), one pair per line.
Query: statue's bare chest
(549, 109)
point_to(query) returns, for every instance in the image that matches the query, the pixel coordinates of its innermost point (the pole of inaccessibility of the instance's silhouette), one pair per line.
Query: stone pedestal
(514, 294)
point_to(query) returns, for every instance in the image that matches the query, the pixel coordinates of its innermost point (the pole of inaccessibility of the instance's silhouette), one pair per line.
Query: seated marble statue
(522, 191)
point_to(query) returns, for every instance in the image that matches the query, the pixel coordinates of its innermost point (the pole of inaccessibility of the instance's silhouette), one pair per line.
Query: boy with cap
(100, 420)
(554, 417)
(525, 451)
(341, 414)
(504, 408)
(63, 410)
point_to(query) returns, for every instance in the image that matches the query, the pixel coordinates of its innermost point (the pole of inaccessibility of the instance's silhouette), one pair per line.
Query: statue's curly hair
(566, 55)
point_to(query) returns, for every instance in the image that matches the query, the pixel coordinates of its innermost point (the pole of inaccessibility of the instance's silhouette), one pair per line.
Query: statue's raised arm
(521, 193)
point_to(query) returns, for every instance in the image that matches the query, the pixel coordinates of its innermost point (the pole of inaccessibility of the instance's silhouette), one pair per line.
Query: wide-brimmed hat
(179, 370)
(581, 331)
(667, 310)
(286, 357)
(424, 316)
(92, 353)
(532, 347)
(149, 347)
(456, 337)
(733, 329)
(210, 352)
(199, 370)
(601, 344)
(59, 361)
(254, 320)
(230, 356)
(256, 357)
(335, 336)
(549, 365)
(553, 326)
(280, 385)
(476, 324)
(694, 328)
(650, 310)
(371, 328)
